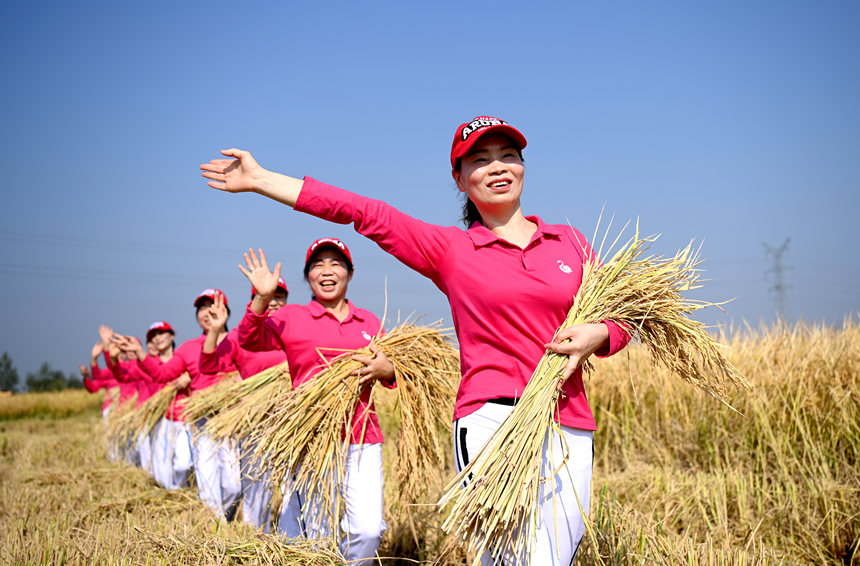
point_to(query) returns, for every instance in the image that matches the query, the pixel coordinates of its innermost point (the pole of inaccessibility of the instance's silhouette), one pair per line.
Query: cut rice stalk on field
(307, 436)
(247, 403)
(497, 512)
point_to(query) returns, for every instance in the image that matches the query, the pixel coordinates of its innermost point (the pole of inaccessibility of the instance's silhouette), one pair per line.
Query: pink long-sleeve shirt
(249, 363)
(506, 302)
(185, 359)
(310, 336)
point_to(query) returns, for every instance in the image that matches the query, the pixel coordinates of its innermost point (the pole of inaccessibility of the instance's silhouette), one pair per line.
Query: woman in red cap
(510, 280)
(311, 335)
(256, 493)
(215, 468)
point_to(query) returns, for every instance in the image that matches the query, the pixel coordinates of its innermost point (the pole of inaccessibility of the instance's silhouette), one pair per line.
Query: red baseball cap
(158, 327)
(332, 243)
(281, 285)
(470, 132)
(210, 294)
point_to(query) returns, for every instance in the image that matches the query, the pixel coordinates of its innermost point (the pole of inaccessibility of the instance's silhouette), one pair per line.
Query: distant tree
(46, 379)
(74, 382)
(8, 373)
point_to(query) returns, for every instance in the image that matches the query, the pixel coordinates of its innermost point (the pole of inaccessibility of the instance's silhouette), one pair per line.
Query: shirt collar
(483, 236)
(317, 310)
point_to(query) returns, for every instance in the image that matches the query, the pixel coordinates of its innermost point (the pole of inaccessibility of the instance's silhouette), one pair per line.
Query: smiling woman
(510, 280)
(311, 336)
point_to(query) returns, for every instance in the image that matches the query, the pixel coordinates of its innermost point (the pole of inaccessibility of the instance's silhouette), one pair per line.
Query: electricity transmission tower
(778, 269)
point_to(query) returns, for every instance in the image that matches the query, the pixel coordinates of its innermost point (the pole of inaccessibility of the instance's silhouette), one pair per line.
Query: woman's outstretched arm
(241, 174)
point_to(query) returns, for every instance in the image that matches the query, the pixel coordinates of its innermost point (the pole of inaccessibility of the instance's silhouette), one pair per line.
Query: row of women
(270, 332)
(510, 280)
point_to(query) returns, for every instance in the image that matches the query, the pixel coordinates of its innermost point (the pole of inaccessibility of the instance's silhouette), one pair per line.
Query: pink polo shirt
(310, 336)
(185, 359)
(249, 363)
(506, 302)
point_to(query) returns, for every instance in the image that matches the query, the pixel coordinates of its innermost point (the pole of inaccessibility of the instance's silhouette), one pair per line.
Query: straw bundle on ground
(308, 434)
(144, 418)
(497, 511)
(246, 404)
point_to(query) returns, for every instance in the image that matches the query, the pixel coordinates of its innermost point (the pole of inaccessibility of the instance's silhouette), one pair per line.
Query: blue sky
(732, 123)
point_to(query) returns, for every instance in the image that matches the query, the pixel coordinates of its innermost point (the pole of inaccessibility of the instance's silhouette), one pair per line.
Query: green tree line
(45, 379)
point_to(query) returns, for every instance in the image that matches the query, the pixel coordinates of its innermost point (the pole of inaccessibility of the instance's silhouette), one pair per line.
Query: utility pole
(778, 270)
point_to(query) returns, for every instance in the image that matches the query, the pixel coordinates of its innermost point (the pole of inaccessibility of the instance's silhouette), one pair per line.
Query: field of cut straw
(679, 478)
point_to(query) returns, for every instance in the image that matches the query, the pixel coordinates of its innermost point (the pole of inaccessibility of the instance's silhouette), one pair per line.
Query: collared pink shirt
(310, 336)
(506, 302)
(249, 363)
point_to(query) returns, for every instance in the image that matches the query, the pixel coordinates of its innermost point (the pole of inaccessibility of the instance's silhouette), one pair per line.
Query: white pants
(256, 491)
(362, 522)
(562, 526)
(144, 451)
(216, 469)
(171, 454)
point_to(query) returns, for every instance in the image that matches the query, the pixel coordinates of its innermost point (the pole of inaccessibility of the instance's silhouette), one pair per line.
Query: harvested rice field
(679, 477)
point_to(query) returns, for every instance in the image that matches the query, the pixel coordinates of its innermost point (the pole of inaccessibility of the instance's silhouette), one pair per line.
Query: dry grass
(678, 479)
(48, 405)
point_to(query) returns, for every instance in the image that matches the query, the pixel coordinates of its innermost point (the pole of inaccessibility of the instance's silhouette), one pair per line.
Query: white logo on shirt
(365, 334)
(563, 267)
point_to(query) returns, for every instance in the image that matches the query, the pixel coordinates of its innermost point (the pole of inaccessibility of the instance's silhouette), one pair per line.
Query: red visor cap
(469, 133)
(158, 327)
(210, 294)
(332, 243)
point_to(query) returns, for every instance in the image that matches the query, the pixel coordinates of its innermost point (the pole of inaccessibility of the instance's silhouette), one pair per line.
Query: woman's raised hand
(257, 272)
(218, 314)
(238, 175)
(105, 333)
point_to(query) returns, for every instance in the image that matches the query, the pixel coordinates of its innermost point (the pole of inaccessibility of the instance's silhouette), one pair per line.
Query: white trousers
(362, 522)
(144, 451)
(171, 454)
(216, 469)
(256, 491)
(562, 526)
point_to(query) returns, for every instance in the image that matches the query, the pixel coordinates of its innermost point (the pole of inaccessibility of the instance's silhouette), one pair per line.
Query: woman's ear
(457, 177)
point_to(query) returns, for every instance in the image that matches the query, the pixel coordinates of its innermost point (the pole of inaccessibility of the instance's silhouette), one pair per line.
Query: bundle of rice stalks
(497, 512)
(206, 402)
(245, 404)
(308, 435)
(143, 419)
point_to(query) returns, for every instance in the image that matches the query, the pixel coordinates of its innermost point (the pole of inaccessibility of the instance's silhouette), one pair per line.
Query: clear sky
(733, 123)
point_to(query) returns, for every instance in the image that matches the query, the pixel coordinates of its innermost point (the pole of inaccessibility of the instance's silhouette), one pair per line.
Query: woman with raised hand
(310, 335)
(95, 378)
(256, 492)
(510, 280)
(217, 481)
